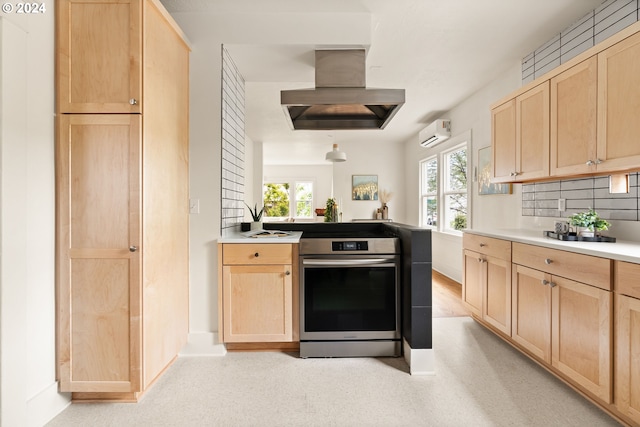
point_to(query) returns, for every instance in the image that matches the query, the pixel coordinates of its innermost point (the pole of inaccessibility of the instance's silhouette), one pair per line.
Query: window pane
(456, 211)
(430, 210)
(430, 176)
(276, 200)
(457, 173)
(304, 199)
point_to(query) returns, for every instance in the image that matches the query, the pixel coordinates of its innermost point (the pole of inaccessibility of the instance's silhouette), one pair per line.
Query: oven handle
(343, 262)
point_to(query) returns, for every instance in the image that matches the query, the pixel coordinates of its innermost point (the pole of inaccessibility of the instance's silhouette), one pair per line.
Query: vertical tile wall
(541, 199)
(232, 144)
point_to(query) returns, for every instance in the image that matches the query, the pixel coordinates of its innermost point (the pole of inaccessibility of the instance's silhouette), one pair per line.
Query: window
(280, 201)
(455, 189)
(429, 192)
(443, 190)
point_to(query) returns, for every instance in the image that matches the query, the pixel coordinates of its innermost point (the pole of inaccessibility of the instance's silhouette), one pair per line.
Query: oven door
(351, 297)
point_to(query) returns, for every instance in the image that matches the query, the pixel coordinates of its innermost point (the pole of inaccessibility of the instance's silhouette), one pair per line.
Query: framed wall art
(364, 187)
(485, 186)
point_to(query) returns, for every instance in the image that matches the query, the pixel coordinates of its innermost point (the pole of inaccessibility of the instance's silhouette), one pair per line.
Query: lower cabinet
(486, 288)
(256, 298)
(563, 322)
(627, 342)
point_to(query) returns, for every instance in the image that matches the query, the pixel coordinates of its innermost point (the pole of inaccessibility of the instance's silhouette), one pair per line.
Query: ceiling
(439, 51)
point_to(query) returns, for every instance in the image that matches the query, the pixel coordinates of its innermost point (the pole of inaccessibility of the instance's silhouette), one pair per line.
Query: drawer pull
(544, 282)
(548, 261)
(482, 245)
(256, 255)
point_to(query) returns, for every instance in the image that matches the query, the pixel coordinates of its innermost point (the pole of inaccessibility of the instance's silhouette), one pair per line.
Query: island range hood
(340, 99)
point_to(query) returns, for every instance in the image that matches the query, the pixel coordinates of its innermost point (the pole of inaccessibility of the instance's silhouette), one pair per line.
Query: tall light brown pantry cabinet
(122, 85)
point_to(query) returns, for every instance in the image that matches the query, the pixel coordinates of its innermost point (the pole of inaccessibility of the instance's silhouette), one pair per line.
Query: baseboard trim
(46, 405)
(420, 361)
(203, 344)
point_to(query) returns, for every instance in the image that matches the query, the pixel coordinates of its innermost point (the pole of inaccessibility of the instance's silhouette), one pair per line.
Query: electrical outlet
(562, 205)
(194, 206)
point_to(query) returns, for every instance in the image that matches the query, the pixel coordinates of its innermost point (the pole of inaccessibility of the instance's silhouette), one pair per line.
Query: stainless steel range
(350, 297)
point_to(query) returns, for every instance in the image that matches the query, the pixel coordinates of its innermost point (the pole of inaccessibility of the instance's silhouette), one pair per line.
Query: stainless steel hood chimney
(340, 99)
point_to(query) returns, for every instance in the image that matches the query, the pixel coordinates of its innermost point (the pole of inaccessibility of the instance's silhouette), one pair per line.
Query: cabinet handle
(133, 248)
(544, 282)
(598, 161)
(514, 173)
(256, 255)
(589, 162)
(482, 245)
(287, 272)
(133, 101)
(548, 261)
(551, 284)
(480, 260)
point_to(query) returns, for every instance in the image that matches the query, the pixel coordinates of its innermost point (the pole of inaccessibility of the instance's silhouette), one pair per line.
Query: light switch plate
(562, 205)
(194, 206)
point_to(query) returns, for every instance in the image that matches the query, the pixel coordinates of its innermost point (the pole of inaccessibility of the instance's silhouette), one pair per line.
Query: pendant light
(336, 155)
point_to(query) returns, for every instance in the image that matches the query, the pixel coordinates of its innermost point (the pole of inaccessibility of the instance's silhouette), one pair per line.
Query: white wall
(28, 394)
(496, 211)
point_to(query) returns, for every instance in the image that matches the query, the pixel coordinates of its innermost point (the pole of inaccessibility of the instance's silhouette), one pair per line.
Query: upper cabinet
(619, 106)
(99, 50)
(573, 119)
(520, 130)
(580, 119)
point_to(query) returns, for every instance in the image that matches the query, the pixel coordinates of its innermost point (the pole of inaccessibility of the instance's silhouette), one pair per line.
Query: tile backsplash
(233, 138)
(599, 24)
(541, 198)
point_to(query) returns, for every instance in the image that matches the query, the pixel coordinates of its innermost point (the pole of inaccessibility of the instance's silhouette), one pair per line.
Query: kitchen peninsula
(279, 255)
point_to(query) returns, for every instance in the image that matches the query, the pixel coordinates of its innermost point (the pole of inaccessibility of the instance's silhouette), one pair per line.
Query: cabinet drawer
(588, 269)
(627, 279)
(259, 253)
(497, 248)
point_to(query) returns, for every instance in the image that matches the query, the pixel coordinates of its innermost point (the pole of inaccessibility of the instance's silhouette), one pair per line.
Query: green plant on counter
(254, 212)
(330, 210)
(590, 220)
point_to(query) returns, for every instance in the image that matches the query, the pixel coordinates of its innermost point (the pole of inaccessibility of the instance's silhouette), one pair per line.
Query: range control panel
(349, 246)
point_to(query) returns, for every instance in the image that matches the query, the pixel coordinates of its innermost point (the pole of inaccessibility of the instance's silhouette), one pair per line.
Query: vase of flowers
(590, 222)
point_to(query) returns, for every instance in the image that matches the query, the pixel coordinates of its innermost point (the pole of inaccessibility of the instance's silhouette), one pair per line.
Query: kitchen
(471, 114)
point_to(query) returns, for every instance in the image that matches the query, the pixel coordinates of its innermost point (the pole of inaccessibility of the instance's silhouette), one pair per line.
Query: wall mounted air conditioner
(435, 133)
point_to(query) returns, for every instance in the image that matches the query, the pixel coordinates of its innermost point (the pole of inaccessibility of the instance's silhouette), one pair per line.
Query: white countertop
(621, 250)
(247, 237)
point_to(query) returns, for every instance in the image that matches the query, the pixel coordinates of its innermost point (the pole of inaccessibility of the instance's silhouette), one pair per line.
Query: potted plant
(589, 220)
(331, 211)
(256, 216)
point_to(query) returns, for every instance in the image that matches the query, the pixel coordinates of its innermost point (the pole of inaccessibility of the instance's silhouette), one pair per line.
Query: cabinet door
(257, 303)
(497, 294)
(532, 133)
(99, 46)
(627, 350)
(574, 96)
(503, 141)
(531, 311)
(581, 335)
(472, 281)
(619, 105)
(98, 235)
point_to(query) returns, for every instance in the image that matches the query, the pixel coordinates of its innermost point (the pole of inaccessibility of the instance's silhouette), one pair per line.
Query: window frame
(442, 193)
(292, 182)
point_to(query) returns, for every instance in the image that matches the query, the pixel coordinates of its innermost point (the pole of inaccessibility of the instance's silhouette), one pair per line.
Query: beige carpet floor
(480, 381)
